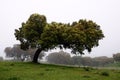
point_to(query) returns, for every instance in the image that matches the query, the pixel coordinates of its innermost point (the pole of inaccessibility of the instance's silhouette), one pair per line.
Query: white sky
(106, 13)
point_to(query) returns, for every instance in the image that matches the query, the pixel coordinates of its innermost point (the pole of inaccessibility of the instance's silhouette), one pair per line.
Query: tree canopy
(77, 36)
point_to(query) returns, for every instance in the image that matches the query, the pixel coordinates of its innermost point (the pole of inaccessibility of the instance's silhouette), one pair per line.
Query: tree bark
(36, 55)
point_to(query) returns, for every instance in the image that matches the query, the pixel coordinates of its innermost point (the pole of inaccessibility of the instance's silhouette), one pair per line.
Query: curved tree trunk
(36, 55)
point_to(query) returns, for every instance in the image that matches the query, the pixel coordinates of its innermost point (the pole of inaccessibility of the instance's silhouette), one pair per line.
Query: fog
(106, 13)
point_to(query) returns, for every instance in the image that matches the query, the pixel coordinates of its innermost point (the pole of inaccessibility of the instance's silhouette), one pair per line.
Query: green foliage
(14, 78)
(105, 73)
(78, 36)
(30, 32)
(86, 76)
(88, 68)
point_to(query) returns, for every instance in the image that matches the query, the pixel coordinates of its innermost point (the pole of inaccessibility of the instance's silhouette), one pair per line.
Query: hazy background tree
(78, 36)
(8, 52)
(59, 58)
(65, 58)
(116, 57)
(18, 54)
(86, 61)
(101, 61)
(76, 60)
(82, 61)
(1, 58)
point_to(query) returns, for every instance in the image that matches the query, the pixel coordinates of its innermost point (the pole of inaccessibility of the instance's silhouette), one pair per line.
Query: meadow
(32, 71)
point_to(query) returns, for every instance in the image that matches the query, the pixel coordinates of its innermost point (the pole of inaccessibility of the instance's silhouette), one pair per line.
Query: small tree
(1, 58)
(79, 36)
(8, 52)
(116, 57)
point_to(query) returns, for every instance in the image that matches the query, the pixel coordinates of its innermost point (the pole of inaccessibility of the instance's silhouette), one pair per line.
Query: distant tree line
(17, 54)
(65, 58)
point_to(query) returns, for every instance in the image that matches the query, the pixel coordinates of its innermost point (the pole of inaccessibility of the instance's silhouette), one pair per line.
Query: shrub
(14, 78)
(105, 74)
(88, 68)
(86, 76)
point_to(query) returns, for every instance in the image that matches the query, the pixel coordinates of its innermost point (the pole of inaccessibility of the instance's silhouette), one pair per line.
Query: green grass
(31, 71)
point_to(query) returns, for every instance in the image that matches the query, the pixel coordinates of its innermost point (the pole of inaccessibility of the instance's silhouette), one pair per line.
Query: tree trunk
(36, 55)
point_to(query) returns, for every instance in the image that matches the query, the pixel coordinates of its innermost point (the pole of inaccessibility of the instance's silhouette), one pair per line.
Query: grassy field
(31, 71)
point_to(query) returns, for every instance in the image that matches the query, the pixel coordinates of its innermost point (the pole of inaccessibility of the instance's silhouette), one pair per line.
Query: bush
(105, 74)
(14, 78)
(86, 76)
(88, 68)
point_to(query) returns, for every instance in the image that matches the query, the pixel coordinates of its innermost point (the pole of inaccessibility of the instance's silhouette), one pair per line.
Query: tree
(116, 57)
(78, 36)
(8, 51)
(86, 61)
(18, 54)
(77, 60)
(59, 58)
(101, 61)
(1, 58)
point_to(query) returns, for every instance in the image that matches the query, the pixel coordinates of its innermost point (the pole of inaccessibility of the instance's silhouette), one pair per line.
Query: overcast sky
(106, 13)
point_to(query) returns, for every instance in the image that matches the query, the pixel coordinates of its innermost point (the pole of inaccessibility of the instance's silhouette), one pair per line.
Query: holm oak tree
(77, 36)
